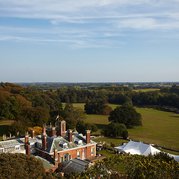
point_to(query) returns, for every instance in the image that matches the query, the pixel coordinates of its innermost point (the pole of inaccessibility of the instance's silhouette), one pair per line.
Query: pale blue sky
(89, 41)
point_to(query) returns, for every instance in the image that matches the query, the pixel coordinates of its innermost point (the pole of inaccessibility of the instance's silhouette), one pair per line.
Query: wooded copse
(158, 166)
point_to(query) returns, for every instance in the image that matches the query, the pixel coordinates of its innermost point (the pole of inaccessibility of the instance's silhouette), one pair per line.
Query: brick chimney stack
(88, 136)
(44, 142)
(52, 132)
(69, 135)
(27, 144)
(44, 130)
(32, 133)
(26, 138)
(62, 128)
(44, 138)
(27, 149)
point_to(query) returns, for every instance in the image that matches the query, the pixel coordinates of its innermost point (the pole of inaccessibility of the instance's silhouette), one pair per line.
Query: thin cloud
(84, 24)
(51, 9)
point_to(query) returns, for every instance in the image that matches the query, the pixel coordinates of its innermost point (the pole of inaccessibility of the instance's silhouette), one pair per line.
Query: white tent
(176, 157)
(138, 148)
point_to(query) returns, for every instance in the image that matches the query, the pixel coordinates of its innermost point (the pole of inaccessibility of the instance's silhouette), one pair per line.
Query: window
(92, 151)
(79, 142)
(63, 145)
(1, 150)
(78, 154)
(66, 157)
(17, 147)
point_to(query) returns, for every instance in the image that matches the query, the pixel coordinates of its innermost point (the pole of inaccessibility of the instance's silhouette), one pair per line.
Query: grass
(159, 127)
(109, 141)
(99, 120)
(169, 151)
(106, 153)
(146, 90)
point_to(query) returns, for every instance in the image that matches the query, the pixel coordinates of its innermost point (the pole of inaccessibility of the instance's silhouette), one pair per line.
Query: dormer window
(63, 145)
(1, 150)
(78, 142)
(17, 147)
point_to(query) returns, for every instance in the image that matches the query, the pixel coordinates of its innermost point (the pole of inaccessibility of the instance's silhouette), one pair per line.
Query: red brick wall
(88, 152)
(73, 153)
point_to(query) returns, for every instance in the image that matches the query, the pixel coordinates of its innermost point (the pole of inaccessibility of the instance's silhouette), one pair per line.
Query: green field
(146, 90)
(159, 127)
(110, 141)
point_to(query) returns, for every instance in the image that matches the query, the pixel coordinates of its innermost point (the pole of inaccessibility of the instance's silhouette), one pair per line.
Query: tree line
(166, 97)
(29, 106)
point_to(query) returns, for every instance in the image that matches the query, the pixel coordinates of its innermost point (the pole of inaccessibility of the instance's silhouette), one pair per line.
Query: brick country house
(55, 144)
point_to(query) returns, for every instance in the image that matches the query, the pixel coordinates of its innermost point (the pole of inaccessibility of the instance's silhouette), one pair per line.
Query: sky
(89, 41)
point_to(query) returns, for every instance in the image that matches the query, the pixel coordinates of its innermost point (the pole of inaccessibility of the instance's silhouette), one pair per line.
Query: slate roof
(75, 165)
(14, 142)
(57, 142)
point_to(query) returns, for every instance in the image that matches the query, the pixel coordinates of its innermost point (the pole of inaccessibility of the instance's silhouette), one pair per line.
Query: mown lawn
(106, 153)
(159, 127)
(110, 141)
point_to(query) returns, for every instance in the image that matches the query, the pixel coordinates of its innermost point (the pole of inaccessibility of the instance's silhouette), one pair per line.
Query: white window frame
(92, 150)
(17, 147)
(78, 154)
(2, 150)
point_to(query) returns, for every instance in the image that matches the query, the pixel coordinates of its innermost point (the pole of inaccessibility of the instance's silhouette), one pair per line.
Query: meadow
(159, 127)
(146, 90)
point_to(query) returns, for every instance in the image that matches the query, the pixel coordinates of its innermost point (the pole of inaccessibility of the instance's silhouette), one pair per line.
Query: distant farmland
(159, 127)
(146, 90)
